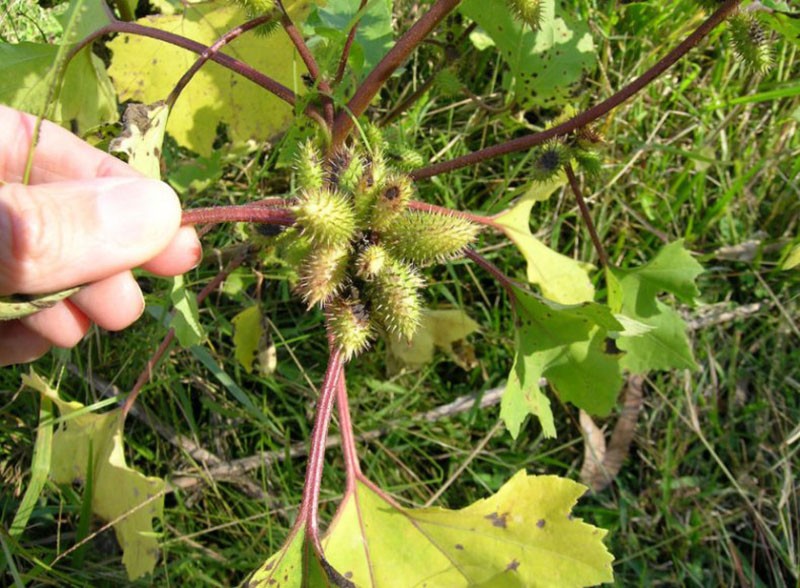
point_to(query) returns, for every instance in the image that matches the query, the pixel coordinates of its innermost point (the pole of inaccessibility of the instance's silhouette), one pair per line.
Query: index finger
(59, 155)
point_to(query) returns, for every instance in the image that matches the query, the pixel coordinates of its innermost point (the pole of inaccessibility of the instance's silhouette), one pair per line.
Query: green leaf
(21, 305)
(122, 495)
(143, 136)
(146, 70)
(523, 535)
(438, 329)
(634, 293)
(374, 35)
(40, 469)
(86, 98)
(784, 19)
(186, 320)
(561, 278)
(792, 259)
(81, 19)
(297, 565)
(248, 330)
(571, 347)
(545, 64)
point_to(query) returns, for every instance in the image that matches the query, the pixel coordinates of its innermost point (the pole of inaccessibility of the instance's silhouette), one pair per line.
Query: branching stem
(396, 56)
(351, 465)
(475, 218)
(586, 214)
(209, 54)
(348, 44)
(507, 283)
(590, 115)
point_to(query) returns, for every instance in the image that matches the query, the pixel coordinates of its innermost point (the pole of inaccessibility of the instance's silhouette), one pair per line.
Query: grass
(708, 495)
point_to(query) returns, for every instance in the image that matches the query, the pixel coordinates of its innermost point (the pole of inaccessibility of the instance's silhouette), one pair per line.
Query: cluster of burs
(364, 245)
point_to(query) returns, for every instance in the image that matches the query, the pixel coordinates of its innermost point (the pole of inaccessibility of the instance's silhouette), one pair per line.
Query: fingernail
(136, 212)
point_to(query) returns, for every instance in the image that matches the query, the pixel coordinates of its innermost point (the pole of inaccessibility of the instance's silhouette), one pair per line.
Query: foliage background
(708, 495)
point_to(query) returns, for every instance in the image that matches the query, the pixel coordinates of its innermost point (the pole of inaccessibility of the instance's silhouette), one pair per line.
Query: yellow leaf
(561, 278)
(523, 535)
(121, 495)
(146, 70)
(438, 328)
(248, 332)
(143, 137)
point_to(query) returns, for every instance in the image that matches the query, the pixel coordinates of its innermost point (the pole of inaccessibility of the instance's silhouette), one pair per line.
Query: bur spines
(423, 237)
(528, 11)
(750, 42)
(323, 274)
(395, 300)
(326, 216)
(350, 326)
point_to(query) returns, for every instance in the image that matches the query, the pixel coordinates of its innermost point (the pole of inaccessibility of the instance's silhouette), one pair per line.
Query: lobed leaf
(523, 535)
(571, 347)
(634, 293)
(561, 278)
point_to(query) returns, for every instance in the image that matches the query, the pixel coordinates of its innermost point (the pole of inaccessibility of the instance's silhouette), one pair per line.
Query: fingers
(113, 303)
(53, 236)
(182, 254)
(62, 325)
(18, 344)
(58, 156)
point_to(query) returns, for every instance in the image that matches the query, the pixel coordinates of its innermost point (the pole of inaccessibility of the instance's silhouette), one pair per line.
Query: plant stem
(348, 44)
(475, 218)
(587, 116)
(248, 213)
(316, 455)
(451, 55)
(241, 68)
(351, 465)
(166, 342)
(125, 13)
(507, 283)
(209, 54)
(587, 217)
(396, 56)
(311, 64)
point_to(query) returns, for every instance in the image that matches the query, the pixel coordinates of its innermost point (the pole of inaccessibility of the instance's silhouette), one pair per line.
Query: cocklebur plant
(362, 240)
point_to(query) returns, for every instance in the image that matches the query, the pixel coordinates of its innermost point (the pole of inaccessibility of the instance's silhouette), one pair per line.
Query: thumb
(54, 236)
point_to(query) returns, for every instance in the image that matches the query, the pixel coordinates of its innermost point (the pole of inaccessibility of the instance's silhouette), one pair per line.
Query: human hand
(86, 218)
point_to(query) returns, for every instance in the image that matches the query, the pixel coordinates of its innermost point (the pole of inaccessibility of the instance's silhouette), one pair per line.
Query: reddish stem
(311, 64)
(247, 213)
(587, 216)
(352, 467)
(586, 117)
(309, 507)
(396, 56)
(241, 68)
(348, 44)
(475, 218)
(507, 283)
(209, 54)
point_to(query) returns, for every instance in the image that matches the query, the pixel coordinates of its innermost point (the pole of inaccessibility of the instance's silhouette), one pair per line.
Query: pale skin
(86, 218)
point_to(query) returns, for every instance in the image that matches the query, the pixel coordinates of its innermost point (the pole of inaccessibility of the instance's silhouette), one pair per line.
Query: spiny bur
(528, 11)
(327, 217)
(349, 325)
(423, 237)
(391, 201)
(310, 174)
(394, 298)
(371, 261)
(323, 274)
(750, 42)
(548, 161)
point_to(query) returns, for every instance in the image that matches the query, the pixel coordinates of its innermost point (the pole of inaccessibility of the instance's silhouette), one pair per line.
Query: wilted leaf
(247, 333)
(545, 64)
(601, 462)
(634, 293)
(561, 278)
(438, 329)
(523, 535)
(142, 137)
(119, 493)
(20, 305)
(146, 70)
(571, 347)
